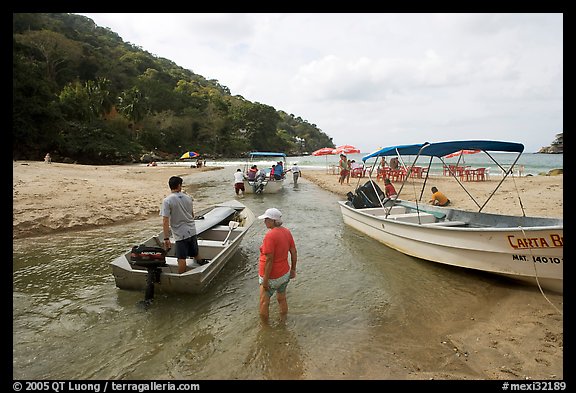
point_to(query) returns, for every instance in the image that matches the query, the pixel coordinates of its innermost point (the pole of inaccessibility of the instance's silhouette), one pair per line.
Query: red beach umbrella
(325, 151)
(346, 149)
(461, 152)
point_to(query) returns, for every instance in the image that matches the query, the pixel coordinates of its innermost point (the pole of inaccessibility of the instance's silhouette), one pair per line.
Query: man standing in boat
(177, 213)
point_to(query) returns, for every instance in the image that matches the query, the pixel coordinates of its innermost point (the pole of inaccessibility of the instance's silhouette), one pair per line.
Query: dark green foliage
(69, 75)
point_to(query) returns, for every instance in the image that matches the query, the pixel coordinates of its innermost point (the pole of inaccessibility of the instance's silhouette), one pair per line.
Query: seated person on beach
(389, 189)
(438, 199)
(394, 163)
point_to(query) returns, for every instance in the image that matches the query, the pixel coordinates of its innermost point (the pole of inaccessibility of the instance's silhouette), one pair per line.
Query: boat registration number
(540, 259)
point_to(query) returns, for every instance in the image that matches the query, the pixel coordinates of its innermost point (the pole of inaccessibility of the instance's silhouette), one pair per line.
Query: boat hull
(270, 186)
(217, 244)
(530, 254)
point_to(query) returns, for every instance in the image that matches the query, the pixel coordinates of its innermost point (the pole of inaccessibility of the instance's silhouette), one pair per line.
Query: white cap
(272, 213)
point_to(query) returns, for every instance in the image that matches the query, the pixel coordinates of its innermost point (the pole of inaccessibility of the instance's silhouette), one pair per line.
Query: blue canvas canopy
(266, 154)
(440, 149)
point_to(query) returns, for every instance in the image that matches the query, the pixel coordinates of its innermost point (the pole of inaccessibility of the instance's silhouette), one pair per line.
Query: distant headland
(556, 147)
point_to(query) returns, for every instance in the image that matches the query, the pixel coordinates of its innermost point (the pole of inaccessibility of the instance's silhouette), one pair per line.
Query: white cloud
(377, 79)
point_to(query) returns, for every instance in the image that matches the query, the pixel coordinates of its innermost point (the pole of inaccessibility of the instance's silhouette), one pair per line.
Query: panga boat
(264, 160)
(220, 230)
(529, 249)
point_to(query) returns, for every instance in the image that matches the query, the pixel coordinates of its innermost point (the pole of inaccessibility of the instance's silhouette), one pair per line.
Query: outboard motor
(368, 195)
(151, 258)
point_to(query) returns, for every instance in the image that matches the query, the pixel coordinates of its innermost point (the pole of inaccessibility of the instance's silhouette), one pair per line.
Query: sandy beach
(519, 338)
(56, 196)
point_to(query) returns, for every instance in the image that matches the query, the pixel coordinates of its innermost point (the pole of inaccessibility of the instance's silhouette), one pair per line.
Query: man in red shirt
(274, 272)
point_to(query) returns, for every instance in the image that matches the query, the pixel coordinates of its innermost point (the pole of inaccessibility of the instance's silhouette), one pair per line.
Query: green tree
(133, 105)
(57, 51)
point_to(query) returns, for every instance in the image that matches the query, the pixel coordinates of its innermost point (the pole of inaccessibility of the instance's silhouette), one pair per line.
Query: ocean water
(533, 163)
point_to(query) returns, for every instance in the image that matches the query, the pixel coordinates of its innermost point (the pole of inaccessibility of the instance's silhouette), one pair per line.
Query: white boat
(264, 161)
(220, 230)
(529, 249)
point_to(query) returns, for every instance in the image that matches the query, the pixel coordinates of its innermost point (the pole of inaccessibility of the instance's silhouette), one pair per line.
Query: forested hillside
(84, 95)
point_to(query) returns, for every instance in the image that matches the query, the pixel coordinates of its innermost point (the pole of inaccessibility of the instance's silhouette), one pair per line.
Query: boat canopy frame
(441, 149)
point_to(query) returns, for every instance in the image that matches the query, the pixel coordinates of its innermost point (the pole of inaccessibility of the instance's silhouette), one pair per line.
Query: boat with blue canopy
(524, 248)
(265, 181)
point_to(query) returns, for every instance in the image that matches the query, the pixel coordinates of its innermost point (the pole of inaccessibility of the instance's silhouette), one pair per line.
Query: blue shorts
(187, 248)
(276, 284)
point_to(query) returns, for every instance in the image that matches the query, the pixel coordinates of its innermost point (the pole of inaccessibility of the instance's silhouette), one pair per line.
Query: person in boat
(177, 211)
(251, 175)
(279, 171)
(438, 198)
(389, 189)
(258, 184)
(239, 181)
(274, 271)
(273, 172)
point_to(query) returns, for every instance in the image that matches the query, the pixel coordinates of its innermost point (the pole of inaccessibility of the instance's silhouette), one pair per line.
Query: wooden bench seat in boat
(437, 214)
(208, 250)
(381, 212)
(446, 224)
(415, 218)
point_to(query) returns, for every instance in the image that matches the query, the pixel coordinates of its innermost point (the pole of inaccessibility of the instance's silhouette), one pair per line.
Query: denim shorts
(276, 284)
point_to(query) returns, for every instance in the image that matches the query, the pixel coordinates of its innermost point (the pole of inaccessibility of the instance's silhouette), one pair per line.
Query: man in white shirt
(296, 172)
(239, 181)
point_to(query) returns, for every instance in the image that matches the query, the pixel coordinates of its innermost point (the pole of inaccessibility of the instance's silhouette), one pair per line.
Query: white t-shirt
(238, 177)
(295, 169)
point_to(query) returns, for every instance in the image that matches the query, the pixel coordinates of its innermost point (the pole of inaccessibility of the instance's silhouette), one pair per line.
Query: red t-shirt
(389, 189)
(277, 241)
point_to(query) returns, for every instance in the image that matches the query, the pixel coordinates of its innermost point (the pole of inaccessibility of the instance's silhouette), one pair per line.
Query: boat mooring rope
(536, 275)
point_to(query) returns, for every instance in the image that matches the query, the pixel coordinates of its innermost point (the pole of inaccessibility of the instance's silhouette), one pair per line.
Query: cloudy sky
(374, 80)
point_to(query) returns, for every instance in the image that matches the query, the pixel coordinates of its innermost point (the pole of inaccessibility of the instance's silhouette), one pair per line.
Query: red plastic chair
(357, 172)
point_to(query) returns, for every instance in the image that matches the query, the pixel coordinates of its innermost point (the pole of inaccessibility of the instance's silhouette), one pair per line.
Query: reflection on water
(356, 309)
